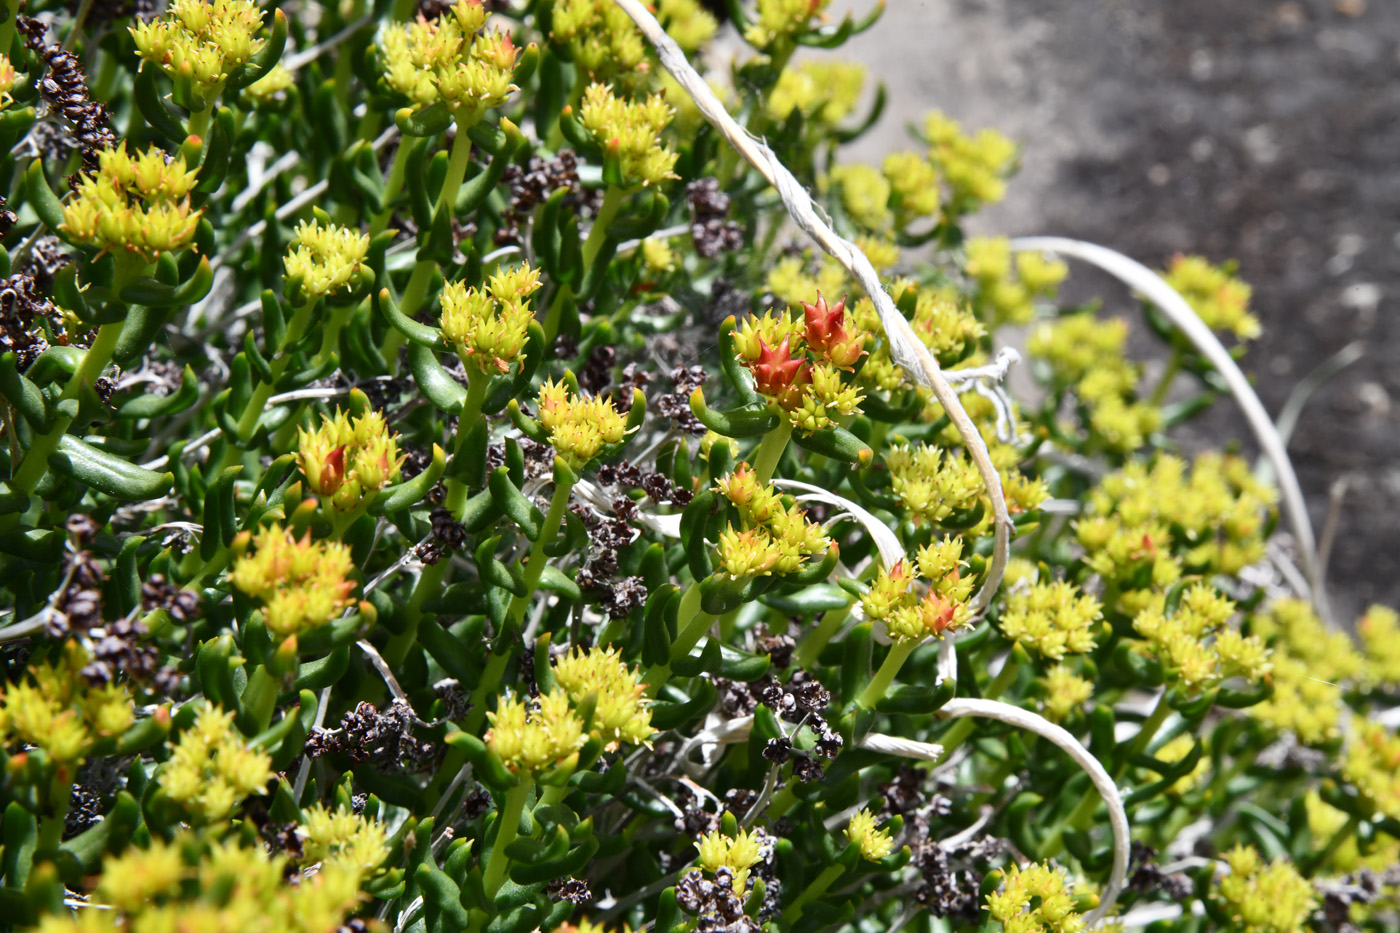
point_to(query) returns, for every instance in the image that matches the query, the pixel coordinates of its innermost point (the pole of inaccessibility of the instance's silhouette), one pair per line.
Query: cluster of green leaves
(371, 551)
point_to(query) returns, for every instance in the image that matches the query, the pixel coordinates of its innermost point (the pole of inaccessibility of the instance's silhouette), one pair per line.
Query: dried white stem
(1155, 289)
(1103, 781)
(205, 439)
(908, 351)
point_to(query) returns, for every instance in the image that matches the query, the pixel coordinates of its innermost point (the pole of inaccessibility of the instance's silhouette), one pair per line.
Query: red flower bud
(825, 325)
(333, 473)
(776, 370)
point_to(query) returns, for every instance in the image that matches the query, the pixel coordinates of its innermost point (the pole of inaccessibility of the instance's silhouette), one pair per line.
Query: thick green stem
(693, 622)
(36, 459)
(248, 421)
(816, 889)
(770, 451)
(612, 202)
(815, 640)
(538, 559)
(260, 697)
(1160, 712)
(412, 300)
(507, 829)
(1159, 394)
(392, 184)
(899, 653)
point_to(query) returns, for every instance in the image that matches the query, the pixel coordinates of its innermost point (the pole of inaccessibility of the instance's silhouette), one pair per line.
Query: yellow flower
(138, 205)
(874, 842)
(1065, 692)
(446, 60)
(778, 21)
(325, 260)
(201, 41)
(211, 769)
(738, 854)
(621, 713)
(1035, 899)
(865, 194)
(1372, 765)
(536, 736)
(56, 709)
(488, 327)
(1258, 898)
(349, 460)
(823, 91)
(344, 837)
(933, 483)
(1053, 618)
(1217, 296)
(634, 128)
(973, 167)
(579, 428)
(303, 584)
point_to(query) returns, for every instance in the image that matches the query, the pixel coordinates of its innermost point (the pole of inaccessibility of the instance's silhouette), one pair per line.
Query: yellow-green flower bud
(326, 260)
(634, 128)
(579, 428)
(303, 584)
(1054, 619)
(212, 769)
(874, 843)
(738, 854)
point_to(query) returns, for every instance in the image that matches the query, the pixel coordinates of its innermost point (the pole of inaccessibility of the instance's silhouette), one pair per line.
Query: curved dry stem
(906, 348)
(1103, 781)
(1155, 289)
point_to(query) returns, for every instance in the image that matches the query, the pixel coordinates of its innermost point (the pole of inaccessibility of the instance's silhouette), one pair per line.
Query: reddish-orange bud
(333, 473)
(775, 370)
(825, 325)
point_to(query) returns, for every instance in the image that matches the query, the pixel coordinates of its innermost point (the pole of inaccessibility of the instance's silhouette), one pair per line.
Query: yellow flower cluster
(686, 21)
(874, 843)
(1259, 898)
(778, 21)
(893, 599)
(1035, 899)
(939, 321)
(57, 710)
(1065, 692)
(796, 278)
(326, 259)
(139, 205)
(303, 583)
(634, 127)
(973, 167)
(8, 79)
(1196, 646)
(201, 41)
(1372, 766)
(1302, 703)
(865, 194)
(578, 428)
(738, 854)
(822, 91)
(1292, 627)
(171, 886)
(487, 327)
(348, 460)
(1087, 353)
(212, 769)
(621, 714)
(932, 483)
(1053, 618)
(657, 256)
(448, 60)
(1130, 532)
(914, 183)
(344, 838)
(812, 392)
(536, 736)
(1379, 631)
(1219, 298)
(1006, 294)
(603, 40)
(776, 536)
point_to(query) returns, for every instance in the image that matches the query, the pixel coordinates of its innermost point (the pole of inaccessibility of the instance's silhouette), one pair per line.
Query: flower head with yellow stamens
(536, 736)
(579, 427)
(633, 129)
(137, 205)
(303, 584)
(57, 709)
(327, 260)
(864, 831)
(202, 41)
(212, 768)
(348, 460)
(447, 60)
(620, 714)
(737, 853)
(488, 327)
